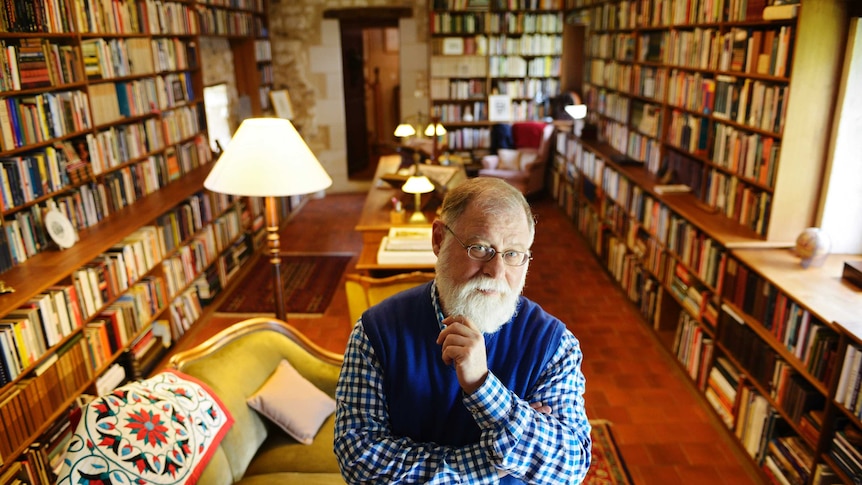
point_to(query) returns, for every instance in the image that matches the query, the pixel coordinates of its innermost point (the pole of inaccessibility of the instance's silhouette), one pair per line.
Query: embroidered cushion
(162, 430)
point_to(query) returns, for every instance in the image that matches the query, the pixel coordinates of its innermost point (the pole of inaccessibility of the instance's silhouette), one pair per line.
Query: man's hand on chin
(464, 348)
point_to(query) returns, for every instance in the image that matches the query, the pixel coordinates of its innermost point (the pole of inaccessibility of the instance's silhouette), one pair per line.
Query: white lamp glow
(577, 111)
(418, 185)
(404, 130)
(268, 158)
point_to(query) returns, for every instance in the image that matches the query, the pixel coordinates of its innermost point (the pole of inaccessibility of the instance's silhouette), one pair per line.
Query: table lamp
(418, 185)
(268, 158)
(578, 112)
(434, 130)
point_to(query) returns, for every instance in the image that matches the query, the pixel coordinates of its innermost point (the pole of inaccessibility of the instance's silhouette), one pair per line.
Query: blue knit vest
(423, 394)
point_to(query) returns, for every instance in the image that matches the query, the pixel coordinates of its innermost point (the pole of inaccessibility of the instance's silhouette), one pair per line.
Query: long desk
(374, 222)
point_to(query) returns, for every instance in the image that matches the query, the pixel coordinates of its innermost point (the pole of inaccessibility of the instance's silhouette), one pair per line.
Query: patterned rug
(607, 467)
(309, 281)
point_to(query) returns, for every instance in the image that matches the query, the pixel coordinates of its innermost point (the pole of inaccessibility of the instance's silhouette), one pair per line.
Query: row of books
(52, 16)
(444, 88)
(846, 451)
(754, 104)
(612, 45)
(521, 67)
(26, 406)
(807, 338)
(26, 178)
(759, 51)
(456, 112)
(525, 88)
(468, 138)
(788, 459)
(35, 63)
(143, 16)
(693, 348)
(849, 390)
(110, 58)
(120, 144)
(691, 91)
(27, 120)
(749, 155)
(29, 332)
(229, 22)
(610, 74)
(747, 205)
(538, 44)
(721, 389)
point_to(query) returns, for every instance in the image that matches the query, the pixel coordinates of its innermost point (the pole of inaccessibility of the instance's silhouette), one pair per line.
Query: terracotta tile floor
(666, 432)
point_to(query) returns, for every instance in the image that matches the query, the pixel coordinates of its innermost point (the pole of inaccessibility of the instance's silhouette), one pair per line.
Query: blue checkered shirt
(515, 439)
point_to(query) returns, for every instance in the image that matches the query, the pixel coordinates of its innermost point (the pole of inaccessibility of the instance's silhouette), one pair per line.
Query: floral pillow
(162, 430)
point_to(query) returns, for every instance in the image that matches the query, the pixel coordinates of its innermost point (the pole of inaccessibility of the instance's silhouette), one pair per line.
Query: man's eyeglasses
(480, 252)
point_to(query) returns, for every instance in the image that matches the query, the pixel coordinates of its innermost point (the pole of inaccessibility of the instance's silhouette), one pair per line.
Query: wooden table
(374, 222)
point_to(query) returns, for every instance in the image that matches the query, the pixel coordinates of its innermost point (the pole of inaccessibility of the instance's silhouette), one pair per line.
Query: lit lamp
(268, 158)
(404, 130)
(434, 130)
(578, 112)
(418, 185)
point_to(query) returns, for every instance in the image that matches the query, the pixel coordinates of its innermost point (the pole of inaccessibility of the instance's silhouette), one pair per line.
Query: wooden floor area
(666, 432)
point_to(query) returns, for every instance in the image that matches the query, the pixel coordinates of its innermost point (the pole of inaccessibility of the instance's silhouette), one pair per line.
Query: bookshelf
(657, 81)
(486, 48)
(102, 117)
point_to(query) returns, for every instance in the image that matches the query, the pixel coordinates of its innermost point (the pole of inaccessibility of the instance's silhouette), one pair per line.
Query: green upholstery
(235, 363)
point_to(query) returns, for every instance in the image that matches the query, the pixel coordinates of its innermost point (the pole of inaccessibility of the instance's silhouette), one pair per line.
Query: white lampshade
(417, 184)
(435, 129)
(267, 158)
(404, 130)
(577, 111)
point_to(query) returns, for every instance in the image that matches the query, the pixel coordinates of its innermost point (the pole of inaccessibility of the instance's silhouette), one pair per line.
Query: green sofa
(235, 363)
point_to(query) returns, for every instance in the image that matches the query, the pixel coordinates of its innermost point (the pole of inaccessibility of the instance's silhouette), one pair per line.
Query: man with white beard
(463, 379)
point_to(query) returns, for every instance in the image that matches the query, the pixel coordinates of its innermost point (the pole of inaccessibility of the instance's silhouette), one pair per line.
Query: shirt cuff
(490, 403)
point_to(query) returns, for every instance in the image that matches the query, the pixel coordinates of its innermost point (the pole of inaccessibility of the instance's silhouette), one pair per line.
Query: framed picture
(281, 104)
(499, 107)
(453, 46)
(177, 89)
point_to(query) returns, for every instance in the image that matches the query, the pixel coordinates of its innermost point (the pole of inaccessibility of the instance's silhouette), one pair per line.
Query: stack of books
(407, 245)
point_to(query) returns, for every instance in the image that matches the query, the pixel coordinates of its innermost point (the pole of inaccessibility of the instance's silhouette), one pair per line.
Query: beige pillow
(508, 159)
(527, 159)
(293, 403)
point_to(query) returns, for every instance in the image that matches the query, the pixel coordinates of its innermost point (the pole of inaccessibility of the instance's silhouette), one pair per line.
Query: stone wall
(307, 61)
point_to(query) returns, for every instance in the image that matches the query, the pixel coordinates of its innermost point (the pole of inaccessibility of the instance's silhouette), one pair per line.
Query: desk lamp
(418, 185)
(268, 158)
(435, 129)
(578, 112)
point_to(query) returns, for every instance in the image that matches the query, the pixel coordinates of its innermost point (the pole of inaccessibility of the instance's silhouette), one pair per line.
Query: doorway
(371, 69)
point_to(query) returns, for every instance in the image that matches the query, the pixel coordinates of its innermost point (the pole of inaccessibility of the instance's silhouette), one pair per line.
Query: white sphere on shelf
(812, 246)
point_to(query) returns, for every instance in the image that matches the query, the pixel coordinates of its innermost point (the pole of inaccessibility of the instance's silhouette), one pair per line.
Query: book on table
(406, 245)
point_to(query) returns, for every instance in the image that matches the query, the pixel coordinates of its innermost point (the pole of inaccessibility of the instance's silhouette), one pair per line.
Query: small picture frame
(281, 103)
(453, 46)
(177, 89)
(499, 107)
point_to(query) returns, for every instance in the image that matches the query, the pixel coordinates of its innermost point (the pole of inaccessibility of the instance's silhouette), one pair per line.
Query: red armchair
(523, 166)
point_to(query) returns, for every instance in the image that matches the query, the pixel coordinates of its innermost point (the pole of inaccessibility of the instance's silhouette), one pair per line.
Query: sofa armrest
(237, 361)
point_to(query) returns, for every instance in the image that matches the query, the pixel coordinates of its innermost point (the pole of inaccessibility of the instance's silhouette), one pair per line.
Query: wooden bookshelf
(480, 49)
(108, 125)
(710, 280)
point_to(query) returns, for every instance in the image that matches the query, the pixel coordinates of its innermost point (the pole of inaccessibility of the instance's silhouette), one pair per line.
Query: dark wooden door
(353, 67)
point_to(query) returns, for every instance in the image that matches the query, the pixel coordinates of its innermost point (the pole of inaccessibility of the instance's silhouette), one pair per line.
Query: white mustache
(487, 284)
